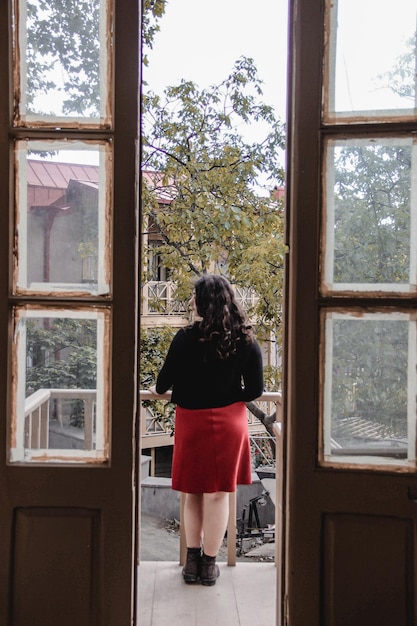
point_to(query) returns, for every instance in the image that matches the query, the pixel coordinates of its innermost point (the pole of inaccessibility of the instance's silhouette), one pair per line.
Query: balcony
(155, 433)
(245, 593)
(47, 435)
(159, 299)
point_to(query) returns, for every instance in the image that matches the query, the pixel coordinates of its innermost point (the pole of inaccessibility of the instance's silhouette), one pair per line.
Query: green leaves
(216, 217)
(62, 53)
(370, 371)
(372, 212)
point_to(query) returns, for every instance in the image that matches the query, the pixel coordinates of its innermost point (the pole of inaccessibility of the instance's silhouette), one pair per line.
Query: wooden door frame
(302, 337)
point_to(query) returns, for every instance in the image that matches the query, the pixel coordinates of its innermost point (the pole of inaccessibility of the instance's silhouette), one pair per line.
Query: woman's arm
(166, 376)
(253, 378)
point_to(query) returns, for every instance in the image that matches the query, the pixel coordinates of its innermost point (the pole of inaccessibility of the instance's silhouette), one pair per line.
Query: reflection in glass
(64, 62)
(59, 364)
(62, 217)
(372, 58)
(370, 388)
(371, 215)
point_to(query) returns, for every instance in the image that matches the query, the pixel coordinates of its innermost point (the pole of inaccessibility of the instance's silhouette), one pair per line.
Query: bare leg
(215, 516)
(193, 519)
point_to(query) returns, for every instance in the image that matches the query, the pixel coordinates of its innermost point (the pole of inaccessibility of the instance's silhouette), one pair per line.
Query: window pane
(369, 404)
(63, 217)
(62, 54)
(60, 386)
(371, 216)
(370, 69)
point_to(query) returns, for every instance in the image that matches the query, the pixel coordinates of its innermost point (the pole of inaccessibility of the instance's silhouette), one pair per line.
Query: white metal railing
(37, 416)
(153, 426)
(247, 298)
(159, 298)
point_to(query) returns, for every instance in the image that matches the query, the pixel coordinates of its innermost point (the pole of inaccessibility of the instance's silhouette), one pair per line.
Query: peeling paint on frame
(106, 73)
(104, 217)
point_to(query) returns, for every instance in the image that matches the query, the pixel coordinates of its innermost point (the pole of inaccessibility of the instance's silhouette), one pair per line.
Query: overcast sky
(200, 41)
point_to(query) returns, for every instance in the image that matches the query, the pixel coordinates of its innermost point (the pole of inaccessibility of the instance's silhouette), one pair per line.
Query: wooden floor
(244, 595)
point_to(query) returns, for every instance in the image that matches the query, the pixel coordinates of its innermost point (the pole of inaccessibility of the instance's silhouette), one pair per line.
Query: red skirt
(211, 449)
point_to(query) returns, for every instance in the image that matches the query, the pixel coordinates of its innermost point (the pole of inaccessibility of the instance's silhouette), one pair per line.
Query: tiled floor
(244, 595)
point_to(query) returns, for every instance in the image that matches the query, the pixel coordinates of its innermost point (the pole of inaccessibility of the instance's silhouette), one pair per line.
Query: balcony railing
(38, 424)
(156, 432)
(159, 299)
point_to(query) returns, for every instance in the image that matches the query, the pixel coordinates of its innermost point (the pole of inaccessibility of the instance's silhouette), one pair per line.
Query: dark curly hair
(223, 322)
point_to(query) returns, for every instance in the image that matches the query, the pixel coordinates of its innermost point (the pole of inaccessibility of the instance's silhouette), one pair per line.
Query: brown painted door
(351, 361)
(68, 311)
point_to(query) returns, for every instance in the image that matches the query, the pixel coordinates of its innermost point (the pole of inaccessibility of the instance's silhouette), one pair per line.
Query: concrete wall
(160, 500)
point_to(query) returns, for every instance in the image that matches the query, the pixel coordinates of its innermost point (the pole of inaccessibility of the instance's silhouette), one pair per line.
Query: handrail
(36, 414)
(154, 428)
(267, 396)
(36, 399)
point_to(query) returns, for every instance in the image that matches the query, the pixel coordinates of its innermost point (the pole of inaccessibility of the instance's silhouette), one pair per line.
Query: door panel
(368, 570)
(38, 539)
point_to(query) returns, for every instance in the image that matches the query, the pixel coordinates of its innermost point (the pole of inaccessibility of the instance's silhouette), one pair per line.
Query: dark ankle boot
(209, 570)
(191, 569)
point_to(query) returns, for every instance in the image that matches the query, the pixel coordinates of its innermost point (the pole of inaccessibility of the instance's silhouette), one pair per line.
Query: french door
(68, 310)
(351, 315)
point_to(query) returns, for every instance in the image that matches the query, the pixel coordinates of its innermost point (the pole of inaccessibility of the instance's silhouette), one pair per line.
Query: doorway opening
(213, 133)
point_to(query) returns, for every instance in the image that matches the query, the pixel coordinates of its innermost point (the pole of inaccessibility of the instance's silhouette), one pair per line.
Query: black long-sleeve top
(200, 379)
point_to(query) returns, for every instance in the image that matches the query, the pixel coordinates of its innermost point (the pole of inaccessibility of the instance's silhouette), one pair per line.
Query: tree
(370, 369)
(153, 10)
(402, 78)
(196, 155)
(372, 212)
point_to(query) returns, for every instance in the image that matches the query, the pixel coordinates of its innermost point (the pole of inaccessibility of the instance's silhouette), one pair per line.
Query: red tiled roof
(57, 175)
(54, 175)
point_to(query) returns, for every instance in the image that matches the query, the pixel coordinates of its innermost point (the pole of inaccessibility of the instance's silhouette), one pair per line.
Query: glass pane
(62, 51)
(370, 69)
(369, 404)
(371, 216)
(62, 217)
(60, 365)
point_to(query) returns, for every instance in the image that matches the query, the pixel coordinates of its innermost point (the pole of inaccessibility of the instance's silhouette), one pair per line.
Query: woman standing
(214, 366)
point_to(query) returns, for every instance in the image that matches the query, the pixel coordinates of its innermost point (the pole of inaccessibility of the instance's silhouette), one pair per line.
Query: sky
(201, 40)
(369, 48)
